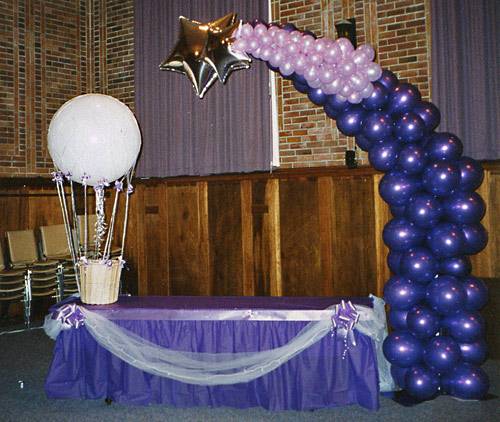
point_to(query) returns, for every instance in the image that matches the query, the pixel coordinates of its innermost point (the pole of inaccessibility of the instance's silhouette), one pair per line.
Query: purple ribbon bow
(343, 321)
(70, 316)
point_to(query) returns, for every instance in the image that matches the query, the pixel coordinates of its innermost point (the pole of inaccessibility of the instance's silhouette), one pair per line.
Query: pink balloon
(358, 81)
(345, 46)
(291, 49)
(359, 58)
(334, 86)
(286, 68)
(341, 98)
(295, 36)
(345, 89)
(239, 45)
(355, 98)
(326, 74)
(367, 91)
(272, 31)
(320, 45)
(373, 71)
(346, 67)
(246, 30)
(299, 63)
(277, 58)
(265, 39)
(266, 53)
(333, 54)
(311, 74)
(314, 84)
(367, 50)
(252, 44)
(282, 38)
(307, 44)
(260, 30)
(314, 59)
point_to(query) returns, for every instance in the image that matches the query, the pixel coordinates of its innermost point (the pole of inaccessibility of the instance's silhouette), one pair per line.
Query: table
(318, 377)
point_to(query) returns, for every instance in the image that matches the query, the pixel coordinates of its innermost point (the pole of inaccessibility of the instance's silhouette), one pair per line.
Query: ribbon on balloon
(70, 316)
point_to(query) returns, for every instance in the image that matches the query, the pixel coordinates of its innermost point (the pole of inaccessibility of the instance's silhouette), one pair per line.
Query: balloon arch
(438, 342)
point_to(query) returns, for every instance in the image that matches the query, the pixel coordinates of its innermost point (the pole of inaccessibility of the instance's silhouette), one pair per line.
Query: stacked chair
(43, 277)
(54, 246)
(14, 287)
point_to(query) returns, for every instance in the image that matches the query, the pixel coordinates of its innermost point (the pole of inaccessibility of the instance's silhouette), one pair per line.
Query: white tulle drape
(226, 368)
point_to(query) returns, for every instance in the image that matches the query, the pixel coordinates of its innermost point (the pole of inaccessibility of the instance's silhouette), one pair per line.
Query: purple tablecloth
(316, 378)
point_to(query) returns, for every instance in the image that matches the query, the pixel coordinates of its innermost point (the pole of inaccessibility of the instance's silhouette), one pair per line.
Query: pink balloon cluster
(332, 65)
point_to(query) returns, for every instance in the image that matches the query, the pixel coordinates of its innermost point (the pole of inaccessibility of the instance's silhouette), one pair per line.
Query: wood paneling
(307, 232)
(300, 241)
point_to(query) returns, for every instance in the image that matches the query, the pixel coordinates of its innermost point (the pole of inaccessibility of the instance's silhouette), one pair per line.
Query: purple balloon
(421, 383)
(363, 142)
(458, 266)
(398, 374)
(422, 322)
(350, 121)
(441, 354)
(446, 295)
(388, 80)
(444, 147)
(402, 293)
(377, 126)
(402, 349)
(464, 208)
(303, 88)
(383, 156)
(378, 98)
(441, 178)
(317, 96)
(402, 98)
(400, 234)
(424, 209)
(466, 381)
(464, 326)
(412, 159)
(394, 261)
(476, 238)
(397, 319)
(429, 113)
(446, 240)
(477, 293)
(419, 264)
(398, 210)
(396, 187)
(409, 127)
(334, 107)
(474, 353)
(471, 173)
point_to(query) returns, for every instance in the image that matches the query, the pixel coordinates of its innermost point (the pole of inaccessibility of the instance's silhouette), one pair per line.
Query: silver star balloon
(203, 52)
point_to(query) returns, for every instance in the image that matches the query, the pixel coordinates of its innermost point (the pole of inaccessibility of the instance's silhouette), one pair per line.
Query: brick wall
(399, 30)
(52, 50)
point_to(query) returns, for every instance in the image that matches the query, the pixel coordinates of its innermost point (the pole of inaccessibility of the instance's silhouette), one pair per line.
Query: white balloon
(94, 135)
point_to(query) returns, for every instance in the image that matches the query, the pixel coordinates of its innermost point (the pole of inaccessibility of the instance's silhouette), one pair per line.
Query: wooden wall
(294, 232)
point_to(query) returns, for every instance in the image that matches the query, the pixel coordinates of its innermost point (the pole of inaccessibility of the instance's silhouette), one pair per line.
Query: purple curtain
(465, 72)
(228, 130)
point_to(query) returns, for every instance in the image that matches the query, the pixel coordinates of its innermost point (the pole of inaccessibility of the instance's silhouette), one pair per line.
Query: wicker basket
(100, 283)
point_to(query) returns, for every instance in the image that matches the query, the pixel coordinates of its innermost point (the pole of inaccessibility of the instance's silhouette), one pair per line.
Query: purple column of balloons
(429, 187)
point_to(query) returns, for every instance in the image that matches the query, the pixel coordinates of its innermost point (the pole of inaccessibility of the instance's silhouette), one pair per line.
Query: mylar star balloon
(203, 52)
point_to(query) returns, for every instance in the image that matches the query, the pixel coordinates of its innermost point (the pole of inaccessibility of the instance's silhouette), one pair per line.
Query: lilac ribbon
(130, 189)
(118, 186)
(68, 175)
(84, 178)
(343, 321)
(57, 176)
(70, 316)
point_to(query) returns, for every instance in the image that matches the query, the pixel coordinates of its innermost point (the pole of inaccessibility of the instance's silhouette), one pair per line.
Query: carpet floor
(25, 358)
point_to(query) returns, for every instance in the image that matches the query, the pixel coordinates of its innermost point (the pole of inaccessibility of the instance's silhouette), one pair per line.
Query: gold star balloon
(203, 52)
